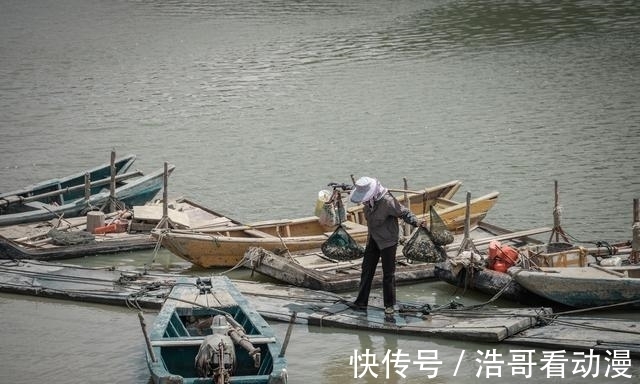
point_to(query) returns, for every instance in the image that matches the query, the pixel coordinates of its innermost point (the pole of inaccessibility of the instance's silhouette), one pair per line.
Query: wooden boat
(583, 287)
(206, 332)
(451, 212)
(128, 192)
(484, 275)
(70, 238)
(225, 247)
(312, 269)
(61, 191)
(71, 187)
(485, 280)
(418, 201)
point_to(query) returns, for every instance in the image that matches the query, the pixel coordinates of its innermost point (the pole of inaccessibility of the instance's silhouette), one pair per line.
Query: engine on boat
(216, 357)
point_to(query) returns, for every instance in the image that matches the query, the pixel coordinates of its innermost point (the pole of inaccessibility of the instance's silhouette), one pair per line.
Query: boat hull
(209, 250)
(581, 287)
(121, 165)
(310, 270)
(134, 192)
(227, 248)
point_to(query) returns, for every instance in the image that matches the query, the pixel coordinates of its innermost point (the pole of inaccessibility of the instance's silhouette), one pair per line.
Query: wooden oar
(406, 191)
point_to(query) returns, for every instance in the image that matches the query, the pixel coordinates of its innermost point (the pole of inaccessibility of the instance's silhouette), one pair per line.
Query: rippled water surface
(260, 104)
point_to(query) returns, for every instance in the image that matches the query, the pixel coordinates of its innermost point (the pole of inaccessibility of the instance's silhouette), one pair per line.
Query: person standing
(382, 211)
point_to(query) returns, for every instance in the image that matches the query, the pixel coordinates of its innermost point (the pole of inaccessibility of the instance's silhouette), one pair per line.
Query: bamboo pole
(407, 229)
(146, 337)
(87, 186)
(467, 217)
(556, 215)
(292, 321)
(112, 189)
(165, 194)
(405, 191)
(634, 258)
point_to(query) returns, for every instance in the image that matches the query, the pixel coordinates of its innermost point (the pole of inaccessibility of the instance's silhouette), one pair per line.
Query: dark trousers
(369, 264)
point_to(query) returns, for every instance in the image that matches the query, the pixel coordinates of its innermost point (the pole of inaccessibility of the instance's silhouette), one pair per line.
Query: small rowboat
(226, 247)
(75, 195)
(206, 332)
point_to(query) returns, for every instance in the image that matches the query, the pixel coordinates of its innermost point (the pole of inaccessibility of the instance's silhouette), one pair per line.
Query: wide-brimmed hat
(364, 190)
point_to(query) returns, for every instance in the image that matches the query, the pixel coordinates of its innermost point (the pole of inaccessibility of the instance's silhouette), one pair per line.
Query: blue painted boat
(206, 332)
(59, 191)
(38, 205)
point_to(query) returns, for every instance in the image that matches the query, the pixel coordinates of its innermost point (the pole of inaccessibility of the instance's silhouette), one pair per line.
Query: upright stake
(467, 217)
(165, 194)
(87, 186)
(112, 189)
(557, 227)
(634, 258)
(467, 243)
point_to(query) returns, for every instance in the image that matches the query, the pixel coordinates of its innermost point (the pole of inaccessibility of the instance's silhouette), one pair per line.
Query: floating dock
(523, 326)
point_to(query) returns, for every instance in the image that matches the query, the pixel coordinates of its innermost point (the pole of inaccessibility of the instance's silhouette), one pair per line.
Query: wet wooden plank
(583, 333)
(487, 325)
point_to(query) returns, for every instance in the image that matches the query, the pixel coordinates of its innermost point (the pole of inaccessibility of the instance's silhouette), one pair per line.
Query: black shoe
(356, 306)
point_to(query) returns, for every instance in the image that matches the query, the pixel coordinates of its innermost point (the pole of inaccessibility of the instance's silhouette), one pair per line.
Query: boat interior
(187, 328)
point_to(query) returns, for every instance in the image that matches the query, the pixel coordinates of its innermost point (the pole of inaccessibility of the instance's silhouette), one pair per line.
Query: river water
(261, 103)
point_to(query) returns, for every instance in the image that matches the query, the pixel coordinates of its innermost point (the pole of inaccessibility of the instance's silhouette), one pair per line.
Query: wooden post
(165, 194)
(557, 227)
(87, 186)
(112, 189)
(556, 212)
(634, 258)
(467, 244)
(467, 217)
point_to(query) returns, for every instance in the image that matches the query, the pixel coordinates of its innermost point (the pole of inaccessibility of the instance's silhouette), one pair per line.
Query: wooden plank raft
(486, 325)
(583, 333)
(326, 309)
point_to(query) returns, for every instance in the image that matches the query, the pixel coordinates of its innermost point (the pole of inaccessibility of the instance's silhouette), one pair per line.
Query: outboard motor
(216, 357)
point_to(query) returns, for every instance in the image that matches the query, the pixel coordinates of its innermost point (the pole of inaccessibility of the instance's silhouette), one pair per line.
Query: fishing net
(341, 246)
(59, 237)
(439, 231)
(421, 247)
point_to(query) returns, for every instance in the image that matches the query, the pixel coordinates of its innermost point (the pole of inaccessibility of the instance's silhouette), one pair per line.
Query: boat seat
(196, 341)
(269, 223)
(350, 225)
(257, 233)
